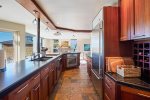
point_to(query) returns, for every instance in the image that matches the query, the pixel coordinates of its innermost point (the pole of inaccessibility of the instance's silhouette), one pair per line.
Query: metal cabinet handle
(107, 85)
(37, 76)
(140, 36)
(96, 75)
(37, 87)
(22, 88)
(27, 98)
(46, 77)
(144, 95)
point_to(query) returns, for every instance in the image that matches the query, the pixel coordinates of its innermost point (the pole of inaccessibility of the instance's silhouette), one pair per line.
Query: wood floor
(75, 84)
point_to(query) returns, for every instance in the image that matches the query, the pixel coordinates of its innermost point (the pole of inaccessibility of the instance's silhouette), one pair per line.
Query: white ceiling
(75, 14)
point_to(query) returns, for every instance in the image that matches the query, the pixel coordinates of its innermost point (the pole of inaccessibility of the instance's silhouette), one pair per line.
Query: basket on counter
(128, 71)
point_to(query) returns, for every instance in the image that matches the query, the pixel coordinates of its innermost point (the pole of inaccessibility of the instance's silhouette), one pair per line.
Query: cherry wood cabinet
(118, 91)
(21, 93)
(45, 83)
(109, 89)
(51, 78)
(128, 93)
(36, 92)
(89, 65)
(139, 7)
(127, 19)
(135, 19)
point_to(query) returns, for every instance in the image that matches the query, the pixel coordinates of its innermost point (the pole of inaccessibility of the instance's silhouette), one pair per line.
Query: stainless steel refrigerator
(97, 40)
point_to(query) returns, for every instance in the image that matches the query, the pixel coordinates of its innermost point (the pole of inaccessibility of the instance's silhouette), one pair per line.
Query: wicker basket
(128, 71)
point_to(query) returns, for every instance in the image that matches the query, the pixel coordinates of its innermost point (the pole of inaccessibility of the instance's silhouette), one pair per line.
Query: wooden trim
(31, 6)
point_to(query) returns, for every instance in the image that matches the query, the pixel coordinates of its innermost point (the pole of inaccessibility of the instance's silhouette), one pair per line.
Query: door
(127, 19)
(147, 18)
(36, 92)
(45, 87)
(51, 79)
(139, 19)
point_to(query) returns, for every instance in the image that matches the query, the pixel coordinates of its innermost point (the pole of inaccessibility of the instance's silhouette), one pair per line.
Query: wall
(19, 36)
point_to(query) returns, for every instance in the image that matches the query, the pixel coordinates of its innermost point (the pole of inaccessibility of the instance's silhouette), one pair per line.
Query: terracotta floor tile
(75, 84)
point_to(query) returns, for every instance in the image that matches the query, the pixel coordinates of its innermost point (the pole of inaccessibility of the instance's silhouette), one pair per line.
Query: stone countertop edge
(129, 81)
(8, 88)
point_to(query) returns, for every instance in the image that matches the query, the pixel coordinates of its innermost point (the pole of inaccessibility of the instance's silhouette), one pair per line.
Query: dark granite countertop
(131, 82)
(17, 73)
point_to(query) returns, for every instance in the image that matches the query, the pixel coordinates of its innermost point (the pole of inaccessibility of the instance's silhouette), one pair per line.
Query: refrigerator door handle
(98, 77)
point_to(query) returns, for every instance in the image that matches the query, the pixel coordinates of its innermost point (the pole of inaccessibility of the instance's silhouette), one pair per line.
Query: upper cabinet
(127, 21)
(135, 19)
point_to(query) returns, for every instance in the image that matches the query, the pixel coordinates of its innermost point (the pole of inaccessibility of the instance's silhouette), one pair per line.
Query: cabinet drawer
(20, 92)
(35, 79)
(140, 93)
(109, 81)
(44, 72)
(109, 89)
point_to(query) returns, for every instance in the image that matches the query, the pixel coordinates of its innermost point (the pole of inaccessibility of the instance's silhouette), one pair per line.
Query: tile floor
(75, 84)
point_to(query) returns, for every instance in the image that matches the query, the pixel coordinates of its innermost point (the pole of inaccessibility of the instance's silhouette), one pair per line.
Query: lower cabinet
(45, 83)
(128, 93)
(115, 91)
(38, 86)
(109, 89)
(51, 79)
(36, 92)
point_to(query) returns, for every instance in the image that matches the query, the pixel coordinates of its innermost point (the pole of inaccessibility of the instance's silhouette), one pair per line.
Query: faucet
(34, 55)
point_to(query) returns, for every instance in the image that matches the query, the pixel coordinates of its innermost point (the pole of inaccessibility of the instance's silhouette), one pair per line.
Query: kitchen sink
(42, 59)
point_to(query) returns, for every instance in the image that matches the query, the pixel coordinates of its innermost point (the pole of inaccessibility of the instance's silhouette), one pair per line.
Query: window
(29, 44)
(73, 44)
(6, 43)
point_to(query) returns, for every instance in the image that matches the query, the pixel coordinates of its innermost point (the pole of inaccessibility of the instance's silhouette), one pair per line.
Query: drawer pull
(144, 95)
(27, 98)
(22, 88)
(36, 77)
(46, 77)
(37, 87)
(107, 85)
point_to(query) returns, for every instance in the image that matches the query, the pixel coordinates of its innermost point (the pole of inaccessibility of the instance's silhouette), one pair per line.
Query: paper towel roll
(2, 59)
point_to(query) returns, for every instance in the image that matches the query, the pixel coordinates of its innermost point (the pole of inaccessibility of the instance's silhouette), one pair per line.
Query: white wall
(19, 36)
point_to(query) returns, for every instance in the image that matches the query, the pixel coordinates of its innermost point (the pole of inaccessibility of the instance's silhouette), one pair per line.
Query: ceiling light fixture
(47, 29)
(34, 21)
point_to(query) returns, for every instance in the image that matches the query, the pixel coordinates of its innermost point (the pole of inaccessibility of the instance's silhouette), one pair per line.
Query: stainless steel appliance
(71, 60)
(97, 58)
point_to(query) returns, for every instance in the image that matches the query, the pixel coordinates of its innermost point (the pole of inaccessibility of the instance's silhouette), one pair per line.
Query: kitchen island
(26, 79)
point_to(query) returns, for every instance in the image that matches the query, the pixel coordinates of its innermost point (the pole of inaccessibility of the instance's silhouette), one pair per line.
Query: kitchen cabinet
(51, 78)
(139, 19)
(117, 91)
(127, 19)
(128, 93)
(135, 19)
(45, 83)
(21, 93)
(89, 65)
(109, 89)
(36, 92)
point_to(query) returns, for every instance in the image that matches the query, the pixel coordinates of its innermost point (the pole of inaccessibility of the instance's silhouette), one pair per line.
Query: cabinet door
(127, 19)
(147, 18)
(45, 87)
(128, 93)
(51, 80)
(36, 92)
(139, 18)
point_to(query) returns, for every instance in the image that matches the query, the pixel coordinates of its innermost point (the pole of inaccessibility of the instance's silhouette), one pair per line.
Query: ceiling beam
(32, 6)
